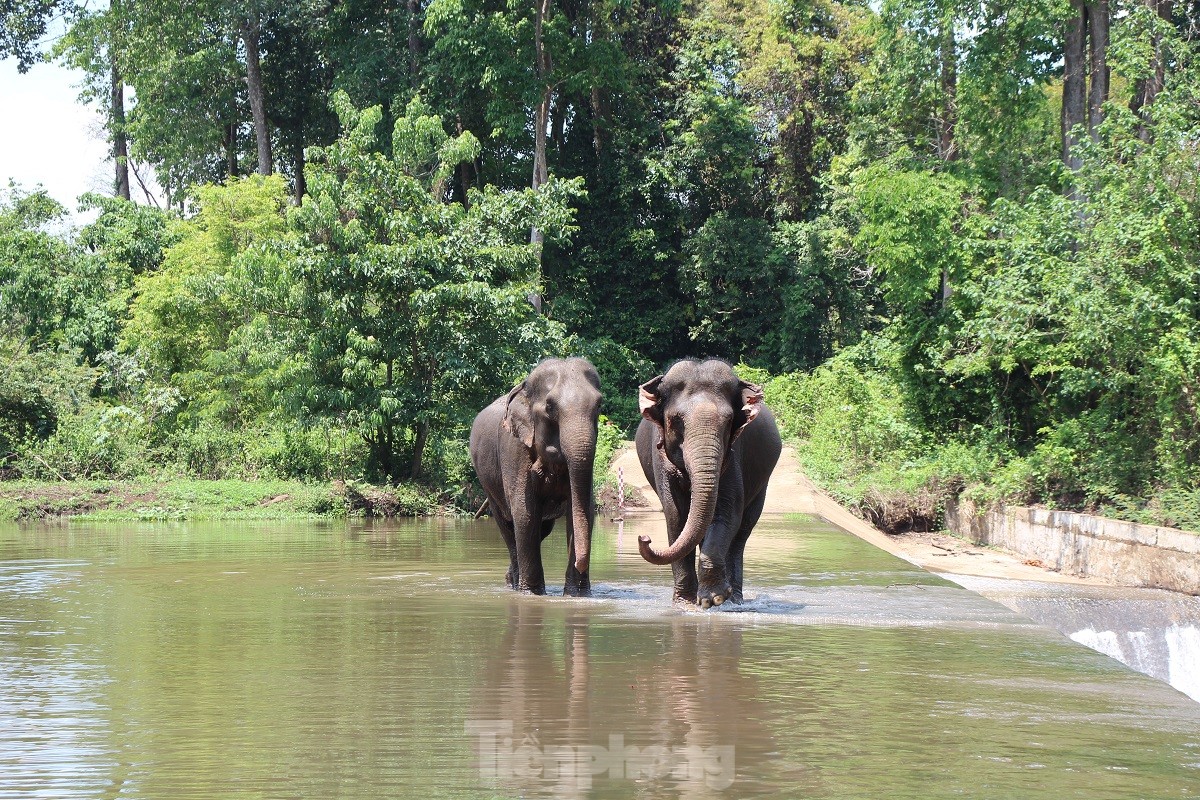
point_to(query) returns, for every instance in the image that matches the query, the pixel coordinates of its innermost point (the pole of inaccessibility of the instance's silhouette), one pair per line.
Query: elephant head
(700, 409)
(554, 414)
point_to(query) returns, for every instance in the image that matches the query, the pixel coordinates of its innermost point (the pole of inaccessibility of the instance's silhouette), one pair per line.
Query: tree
(22, 25)
(188, 309)
(410, 309)
(1085, 74)
(1152, 19)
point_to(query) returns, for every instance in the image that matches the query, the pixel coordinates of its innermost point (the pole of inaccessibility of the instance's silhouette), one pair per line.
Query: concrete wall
(1081, 544)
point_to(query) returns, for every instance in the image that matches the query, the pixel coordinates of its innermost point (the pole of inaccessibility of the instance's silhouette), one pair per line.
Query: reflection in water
(672, 715)
(51, 728)
(279, 661)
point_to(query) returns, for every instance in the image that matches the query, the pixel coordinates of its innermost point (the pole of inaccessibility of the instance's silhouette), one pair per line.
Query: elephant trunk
(581, 455)
(702, 455)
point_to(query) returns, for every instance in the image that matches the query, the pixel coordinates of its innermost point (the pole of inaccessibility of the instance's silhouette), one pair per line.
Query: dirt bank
(791, 492)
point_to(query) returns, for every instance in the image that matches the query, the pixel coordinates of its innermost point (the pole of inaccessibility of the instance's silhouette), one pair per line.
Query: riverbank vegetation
(957, 241)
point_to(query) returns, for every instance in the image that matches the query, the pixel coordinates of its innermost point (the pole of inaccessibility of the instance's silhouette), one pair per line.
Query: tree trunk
(299, 186)
(542, 113)
(1146, 89)
(231, 160)
(419, 442)
(464, 174)
(414, 42)
(120, 143)
(599, 123)
(599, 95)
(1074, 102)
(254, 87)
(1098, 22)
(947, 147)
(558, 118)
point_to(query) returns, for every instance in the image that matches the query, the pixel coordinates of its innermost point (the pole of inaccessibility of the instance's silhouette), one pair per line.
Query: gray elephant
(707, 444)
(533, 451)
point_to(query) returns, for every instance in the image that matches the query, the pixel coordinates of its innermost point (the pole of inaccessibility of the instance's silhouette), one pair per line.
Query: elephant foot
(715, 588)
(579, 588)
(508, 579)
(537, 589)
(708, 596)
(736, 597)
(685, 591)
(683, 599)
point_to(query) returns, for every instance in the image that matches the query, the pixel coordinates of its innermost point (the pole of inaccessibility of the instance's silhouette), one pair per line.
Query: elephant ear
(518, 417)
(649, 401)
(752, 397)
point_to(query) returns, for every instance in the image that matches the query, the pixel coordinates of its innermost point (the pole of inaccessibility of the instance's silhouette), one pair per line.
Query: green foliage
(126, 236)
(174, 500)
(32, 259)
(910, 228)
(621, 371)
(865, 204)
(190, 307)
(847, 415)
(609, 438)
(38, 389)
(22, 26)
(410, 309)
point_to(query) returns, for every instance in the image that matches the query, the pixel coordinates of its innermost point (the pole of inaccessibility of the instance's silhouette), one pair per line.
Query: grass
(187, 499)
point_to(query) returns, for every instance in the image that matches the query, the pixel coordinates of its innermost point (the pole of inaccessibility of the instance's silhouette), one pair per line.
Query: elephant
(533, 451)
(707, 444)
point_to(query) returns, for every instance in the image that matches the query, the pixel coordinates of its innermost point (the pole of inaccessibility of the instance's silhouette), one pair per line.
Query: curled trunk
(702, 459)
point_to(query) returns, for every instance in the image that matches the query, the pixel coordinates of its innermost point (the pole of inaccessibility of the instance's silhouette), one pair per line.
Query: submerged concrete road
(1153, 631)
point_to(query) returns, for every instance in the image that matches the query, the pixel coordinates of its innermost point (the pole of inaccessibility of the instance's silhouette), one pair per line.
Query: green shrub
(621, 371)
(307, 454)
(98, 443)
(849, 419)
(206, 451)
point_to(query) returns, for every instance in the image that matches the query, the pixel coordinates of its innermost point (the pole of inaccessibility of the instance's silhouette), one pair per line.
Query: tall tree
(1085, 74)
(1150, 82)
(410, 307)
(543, 68)
(250, 31)
(116, 21)
(98, 44)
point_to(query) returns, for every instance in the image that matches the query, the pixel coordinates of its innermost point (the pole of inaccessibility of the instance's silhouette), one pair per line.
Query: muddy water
(311, 661)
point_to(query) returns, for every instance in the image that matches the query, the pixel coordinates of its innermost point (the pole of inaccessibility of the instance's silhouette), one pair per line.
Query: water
(1153, 631)
(322, 661)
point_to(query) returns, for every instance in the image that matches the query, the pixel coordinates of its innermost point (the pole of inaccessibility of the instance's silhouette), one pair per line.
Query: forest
(956, 242)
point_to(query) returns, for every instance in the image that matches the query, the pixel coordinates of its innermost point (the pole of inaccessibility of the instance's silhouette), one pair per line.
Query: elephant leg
(576, 583)
(738, 548)
(716, 584)
(684, 570)
(527, 531)
(512, 577)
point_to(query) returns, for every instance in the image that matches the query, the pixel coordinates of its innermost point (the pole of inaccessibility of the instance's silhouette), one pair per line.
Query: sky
(50, 138)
